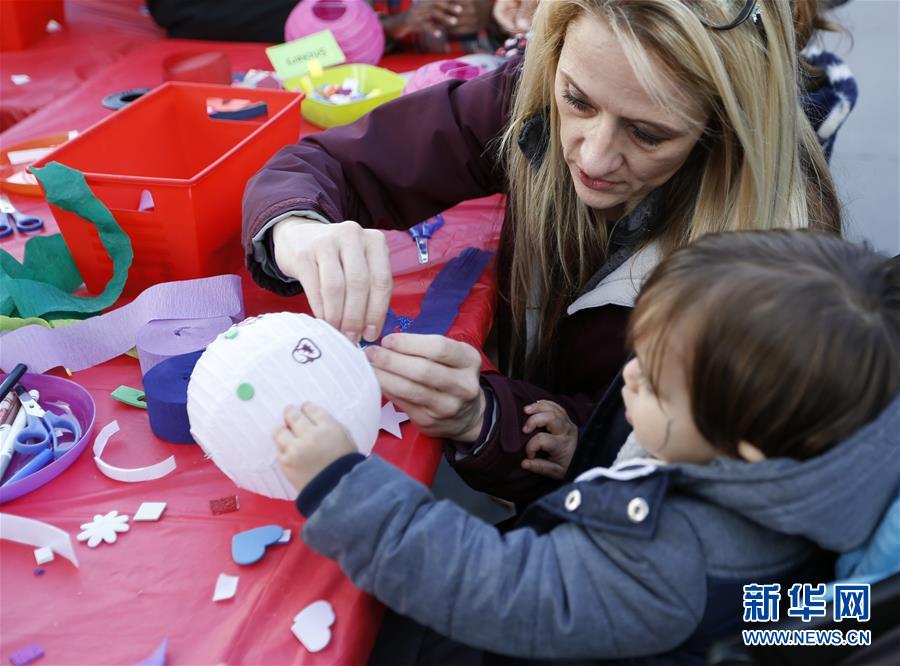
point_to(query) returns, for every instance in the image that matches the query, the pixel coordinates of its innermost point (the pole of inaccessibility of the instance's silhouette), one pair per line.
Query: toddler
(763, 399)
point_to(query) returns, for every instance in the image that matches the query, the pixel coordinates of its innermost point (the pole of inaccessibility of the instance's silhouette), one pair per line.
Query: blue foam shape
(250, 546)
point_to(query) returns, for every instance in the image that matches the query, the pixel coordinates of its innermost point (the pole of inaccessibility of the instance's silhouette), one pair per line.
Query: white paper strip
(128, 475)
(37, 533)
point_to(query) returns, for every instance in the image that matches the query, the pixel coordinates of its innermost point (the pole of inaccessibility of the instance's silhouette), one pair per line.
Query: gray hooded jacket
(636, 561)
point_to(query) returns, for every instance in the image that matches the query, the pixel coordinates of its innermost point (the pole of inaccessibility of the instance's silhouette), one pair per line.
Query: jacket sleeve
(400, 164)
(496, 466)
(569, 593)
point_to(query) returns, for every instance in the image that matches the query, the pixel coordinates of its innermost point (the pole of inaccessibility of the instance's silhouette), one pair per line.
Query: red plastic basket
(23, 22)
(195, 168)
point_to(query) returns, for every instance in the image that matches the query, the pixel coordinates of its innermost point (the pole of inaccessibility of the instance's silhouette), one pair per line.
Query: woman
(631, 128)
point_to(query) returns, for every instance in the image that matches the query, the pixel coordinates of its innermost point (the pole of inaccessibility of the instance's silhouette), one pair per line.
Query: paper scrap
(158, 658)
(43, 555)
(391, 419)
(131, 474)
(285, 537)
(224, 504)
(26, 655)
(146, 202)
(150, 511)
(37, 533)
(312, 625)
(226, 587)
(103, 528)
(101, 338)
(28, 155)
(67, 188)
(250, 546)
(20, 79)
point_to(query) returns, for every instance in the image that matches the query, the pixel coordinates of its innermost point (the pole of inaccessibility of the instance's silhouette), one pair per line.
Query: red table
(157, 581)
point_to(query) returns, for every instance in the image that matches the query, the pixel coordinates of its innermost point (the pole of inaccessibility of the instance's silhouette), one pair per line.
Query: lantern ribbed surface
(248, 375)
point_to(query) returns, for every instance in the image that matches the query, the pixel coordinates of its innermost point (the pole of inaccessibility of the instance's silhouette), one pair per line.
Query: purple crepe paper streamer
(447, 292)
(165, 387)
(26, 655)
(164, 338)
(158, 658)
(101, 338)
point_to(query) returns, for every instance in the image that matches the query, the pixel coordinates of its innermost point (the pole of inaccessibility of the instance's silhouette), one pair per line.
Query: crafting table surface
(157, 580)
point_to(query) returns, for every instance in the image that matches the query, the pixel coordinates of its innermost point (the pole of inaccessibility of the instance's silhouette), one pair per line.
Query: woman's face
(618, 143)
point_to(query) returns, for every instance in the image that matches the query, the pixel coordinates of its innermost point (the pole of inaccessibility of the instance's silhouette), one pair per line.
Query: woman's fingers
(438, 348)
(438, 404)
(381, 283)
(344, 269)
(356, 273)
(307, 272)
(459, 382)
(331, 282)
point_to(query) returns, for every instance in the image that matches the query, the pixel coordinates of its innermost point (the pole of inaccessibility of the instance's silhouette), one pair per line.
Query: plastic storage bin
(194, 167)
(369, 77)
(23, 22)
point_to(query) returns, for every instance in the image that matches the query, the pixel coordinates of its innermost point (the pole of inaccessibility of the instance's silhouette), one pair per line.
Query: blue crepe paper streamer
(165, 387)
(447, 292)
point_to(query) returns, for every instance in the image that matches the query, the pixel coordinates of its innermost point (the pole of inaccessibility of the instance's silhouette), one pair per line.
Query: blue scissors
(422, 232)
(10, 219)
(41, 435)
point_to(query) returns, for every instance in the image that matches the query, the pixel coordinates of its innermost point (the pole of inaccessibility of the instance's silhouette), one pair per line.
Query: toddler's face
(661, 415)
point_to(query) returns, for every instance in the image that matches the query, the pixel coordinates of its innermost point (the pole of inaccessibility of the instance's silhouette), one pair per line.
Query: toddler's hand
(558, 443)
(309, 441)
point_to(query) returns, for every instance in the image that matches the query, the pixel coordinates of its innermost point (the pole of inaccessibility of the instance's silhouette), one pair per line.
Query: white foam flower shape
(103, 528)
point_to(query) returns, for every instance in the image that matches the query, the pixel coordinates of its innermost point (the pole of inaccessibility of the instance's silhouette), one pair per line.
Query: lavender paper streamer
(164, 338)
(101, 338)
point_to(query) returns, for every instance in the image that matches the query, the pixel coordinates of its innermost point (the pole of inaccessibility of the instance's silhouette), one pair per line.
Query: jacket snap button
(638, 510)
(573, 500)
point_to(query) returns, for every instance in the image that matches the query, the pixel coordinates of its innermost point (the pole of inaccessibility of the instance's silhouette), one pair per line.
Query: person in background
(424, 25)
(762, 411)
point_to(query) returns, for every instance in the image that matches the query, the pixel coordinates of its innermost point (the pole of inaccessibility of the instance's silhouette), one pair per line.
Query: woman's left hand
(435, 380)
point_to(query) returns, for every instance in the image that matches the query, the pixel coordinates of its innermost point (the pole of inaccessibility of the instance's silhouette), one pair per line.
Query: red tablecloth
(157, 581)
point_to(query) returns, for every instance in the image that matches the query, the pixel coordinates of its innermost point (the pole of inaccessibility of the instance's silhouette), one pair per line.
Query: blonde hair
(758, 164)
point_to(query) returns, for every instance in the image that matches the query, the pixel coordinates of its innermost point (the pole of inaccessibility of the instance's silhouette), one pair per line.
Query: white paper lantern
(251, 372)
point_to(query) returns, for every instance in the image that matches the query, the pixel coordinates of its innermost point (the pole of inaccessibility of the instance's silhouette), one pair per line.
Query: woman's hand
(309, 441)
(435, 380)
(514, 16)
(345, 271)
(558, 442)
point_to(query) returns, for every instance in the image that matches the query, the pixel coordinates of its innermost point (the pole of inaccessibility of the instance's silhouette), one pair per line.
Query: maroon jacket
(405, 162)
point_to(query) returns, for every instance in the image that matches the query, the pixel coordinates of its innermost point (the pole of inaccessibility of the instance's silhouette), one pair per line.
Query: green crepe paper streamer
(66, 188)
(47, 259)
(13, 323)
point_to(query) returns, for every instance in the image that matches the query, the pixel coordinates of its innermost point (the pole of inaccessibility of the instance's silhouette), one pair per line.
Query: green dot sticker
(231, 334)
(245, 391)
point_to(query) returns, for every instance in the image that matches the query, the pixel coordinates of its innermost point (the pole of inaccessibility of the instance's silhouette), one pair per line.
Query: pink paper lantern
(442, 70)
(353, 23)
